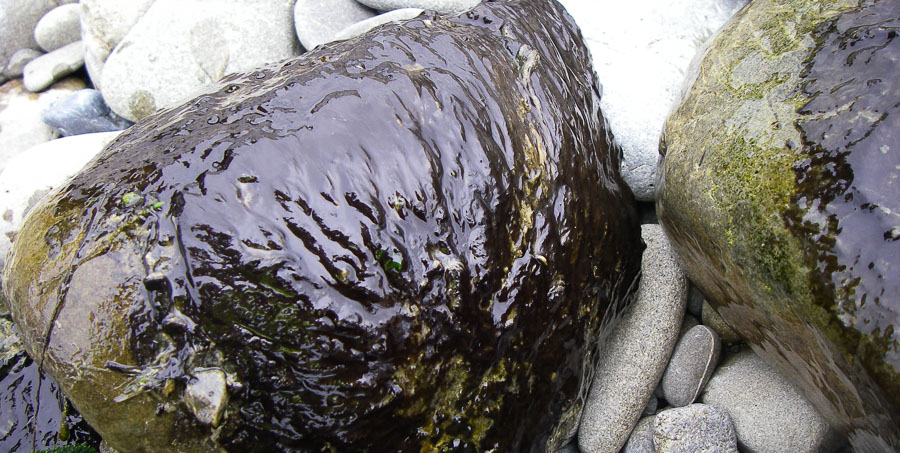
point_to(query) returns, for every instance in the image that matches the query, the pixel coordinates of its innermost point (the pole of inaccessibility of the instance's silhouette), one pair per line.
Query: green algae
(732, 151)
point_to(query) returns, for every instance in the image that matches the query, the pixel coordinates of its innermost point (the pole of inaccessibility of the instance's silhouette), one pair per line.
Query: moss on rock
(738, 198)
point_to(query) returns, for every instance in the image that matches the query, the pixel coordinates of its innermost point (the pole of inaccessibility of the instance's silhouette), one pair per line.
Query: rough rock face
(406, 241)
(780, 194)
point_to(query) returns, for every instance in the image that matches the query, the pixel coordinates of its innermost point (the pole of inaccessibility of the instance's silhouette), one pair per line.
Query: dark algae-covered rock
(410, 241)
(781, 192)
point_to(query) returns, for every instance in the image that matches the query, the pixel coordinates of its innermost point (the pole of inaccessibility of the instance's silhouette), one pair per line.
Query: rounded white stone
(441, 6)
(318, 21)
(60, 26)
(179, 46)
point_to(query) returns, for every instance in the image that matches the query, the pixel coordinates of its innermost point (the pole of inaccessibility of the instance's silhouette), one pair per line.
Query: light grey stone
(368, 24)
(715, 322)
(17, 21)
(769, 414)
(21, 126)
(693, 362)
(60, 26)
(635, 353)
(698, 428)
(441, 6)
(206, 395)
(318, 21)
(179, 46)
(103, 25)
(641, 438)
(641, 51)
(16, 66)
(43, 71)
(30, 175)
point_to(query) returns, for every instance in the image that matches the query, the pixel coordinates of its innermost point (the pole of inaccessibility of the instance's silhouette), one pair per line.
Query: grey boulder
(641, 52)
(178, 47)
(691, 365)
(17, 21)
(103, 25)
(318, 21)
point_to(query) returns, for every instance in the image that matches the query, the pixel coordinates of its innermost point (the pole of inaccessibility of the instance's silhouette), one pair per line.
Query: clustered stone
(673, 375)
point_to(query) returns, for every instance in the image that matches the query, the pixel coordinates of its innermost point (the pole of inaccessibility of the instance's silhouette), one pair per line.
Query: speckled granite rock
(636, 353)
(769, 415)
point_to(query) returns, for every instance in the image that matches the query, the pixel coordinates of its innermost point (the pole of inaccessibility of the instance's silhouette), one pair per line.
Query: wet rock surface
(642, 50)
(790, 138)
(436, 278)
(32, 408)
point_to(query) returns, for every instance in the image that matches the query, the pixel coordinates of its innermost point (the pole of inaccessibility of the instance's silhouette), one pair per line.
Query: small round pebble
(60, 26)
(41, 72)
(698, 428)
(693, 362)
(441, 6)
(83, 112)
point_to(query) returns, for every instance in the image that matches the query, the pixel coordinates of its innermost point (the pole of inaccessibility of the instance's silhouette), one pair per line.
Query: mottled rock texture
(779, 191)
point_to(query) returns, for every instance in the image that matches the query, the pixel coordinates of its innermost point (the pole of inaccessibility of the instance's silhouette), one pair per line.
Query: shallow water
(20, 390)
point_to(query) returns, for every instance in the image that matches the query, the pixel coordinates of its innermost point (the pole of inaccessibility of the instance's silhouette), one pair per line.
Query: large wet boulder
(407, 241)
(780, 193)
